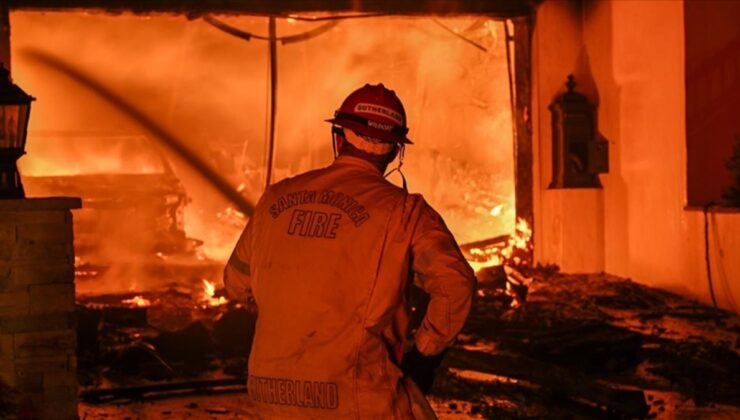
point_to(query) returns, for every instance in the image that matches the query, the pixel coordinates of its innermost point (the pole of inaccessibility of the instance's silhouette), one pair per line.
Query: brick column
(37, 303)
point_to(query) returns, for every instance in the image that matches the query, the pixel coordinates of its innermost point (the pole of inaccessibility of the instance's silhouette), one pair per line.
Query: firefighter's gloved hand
(421, 369)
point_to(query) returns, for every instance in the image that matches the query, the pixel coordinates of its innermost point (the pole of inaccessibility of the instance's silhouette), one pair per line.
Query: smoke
(210, 88)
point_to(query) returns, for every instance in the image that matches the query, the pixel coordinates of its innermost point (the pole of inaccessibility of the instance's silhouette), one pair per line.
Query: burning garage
(584, 155)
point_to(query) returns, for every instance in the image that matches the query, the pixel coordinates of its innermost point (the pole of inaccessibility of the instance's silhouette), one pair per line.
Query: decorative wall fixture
(577, 156)
(15, 107)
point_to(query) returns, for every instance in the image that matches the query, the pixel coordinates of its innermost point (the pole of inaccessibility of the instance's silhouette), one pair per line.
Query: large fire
(456, 96)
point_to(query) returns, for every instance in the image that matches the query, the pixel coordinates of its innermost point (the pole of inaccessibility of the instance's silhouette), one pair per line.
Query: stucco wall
(629, 59)
(568, 222)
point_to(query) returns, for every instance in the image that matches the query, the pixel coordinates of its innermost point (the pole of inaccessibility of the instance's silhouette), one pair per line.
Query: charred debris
(537, 343)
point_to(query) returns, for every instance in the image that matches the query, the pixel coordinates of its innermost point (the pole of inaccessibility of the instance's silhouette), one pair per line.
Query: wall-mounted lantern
(15, 108)
(577, 155)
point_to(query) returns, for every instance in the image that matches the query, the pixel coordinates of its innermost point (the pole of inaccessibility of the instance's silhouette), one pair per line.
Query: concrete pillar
(37, 306)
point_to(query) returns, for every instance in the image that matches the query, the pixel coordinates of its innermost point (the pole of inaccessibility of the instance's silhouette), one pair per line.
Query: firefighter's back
(319, 239)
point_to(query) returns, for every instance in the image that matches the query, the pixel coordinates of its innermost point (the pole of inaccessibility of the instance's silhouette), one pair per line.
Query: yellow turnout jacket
(328, 257)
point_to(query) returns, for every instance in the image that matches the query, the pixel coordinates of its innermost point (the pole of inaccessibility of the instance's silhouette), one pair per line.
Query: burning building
(585, 136)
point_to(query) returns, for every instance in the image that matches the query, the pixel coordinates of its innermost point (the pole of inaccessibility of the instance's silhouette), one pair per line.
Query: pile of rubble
(592, 345)
(160, 342)
(537, 343)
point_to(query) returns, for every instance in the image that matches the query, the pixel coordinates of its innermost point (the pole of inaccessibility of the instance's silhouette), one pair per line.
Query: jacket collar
(357, 163)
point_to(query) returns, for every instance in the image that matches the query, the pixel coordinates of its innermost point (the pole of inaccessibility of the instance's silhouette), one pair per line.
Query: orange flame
(209, 291)
(473, 77)
(520, 241)
(209, 288)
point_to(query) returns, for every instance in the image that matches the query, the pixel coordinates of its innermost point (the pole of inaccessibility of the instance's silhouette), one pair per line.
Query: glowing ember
(83, 269)
(209, 291)
(518, 245)
(511, 292)
(138, 301)
(488, 257)
(522, 238)
(86, 273)
(481, 376)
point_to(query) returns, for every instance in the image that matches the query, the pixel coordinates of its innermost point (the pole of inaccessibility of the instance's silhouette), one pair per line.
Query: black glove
(421, 369)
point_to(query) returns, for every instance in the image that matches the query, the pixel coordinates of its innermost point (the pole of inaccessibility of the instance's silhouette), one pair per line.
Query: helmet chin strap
(339, 131)
(335, 132)
(402, 148)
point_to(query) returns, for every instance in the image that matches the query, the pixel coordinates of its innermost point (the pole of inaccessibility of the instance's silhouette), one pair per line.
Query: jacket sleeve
(445, 274)
(237, 274)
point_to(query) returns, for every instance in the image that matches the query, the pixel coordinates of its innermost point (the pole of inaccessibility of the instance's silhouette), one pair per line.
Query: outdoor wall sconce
(15, 107)
(577, 155)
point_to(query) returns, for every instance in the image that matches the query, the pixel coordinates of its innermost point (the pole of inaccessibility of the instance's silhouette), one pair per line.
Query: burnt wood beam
(620, 403)
(273, 101)
(497, 8)
(162, 390)
(523, 157)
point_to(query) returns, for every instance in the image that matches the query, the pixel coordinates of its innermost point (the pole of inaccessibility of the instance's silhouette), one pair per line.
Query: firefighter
(328, 258)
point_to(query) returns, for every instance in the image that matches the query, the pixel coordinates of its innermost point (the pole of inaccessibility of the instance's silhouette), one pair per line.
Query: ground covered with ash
(590, 346)
(565, 346)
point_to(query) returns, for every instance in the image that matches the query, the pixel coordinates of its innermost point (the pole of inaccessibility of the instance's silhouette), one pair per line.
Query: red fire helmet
(374, 111)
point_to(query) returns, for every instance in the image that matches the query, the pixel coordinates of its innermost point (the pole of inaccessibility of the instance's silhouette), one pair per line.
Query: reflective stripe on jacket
(327, 257)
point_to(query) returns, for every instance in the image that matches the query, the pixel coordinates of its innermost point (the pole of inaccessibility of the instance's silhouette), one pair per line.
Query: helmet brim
(376, 133)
